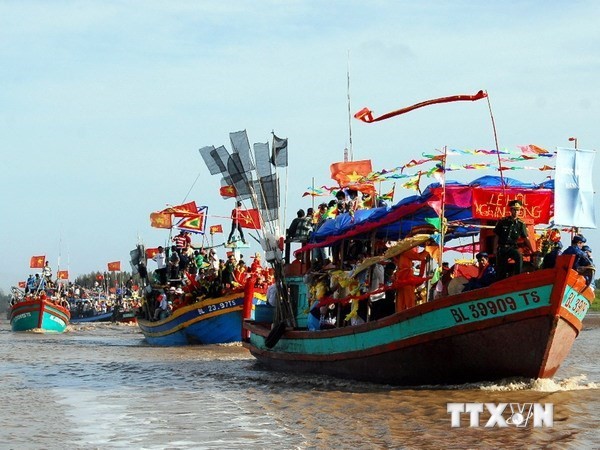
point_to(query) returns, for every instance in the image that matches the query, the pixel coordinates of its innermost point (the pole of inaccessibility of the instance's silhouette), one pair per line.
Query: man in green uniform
(508, 231)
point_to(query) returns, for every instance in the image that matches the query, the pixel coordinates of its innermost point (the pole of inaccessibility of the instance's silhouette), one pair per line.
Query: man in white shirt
(161, 262)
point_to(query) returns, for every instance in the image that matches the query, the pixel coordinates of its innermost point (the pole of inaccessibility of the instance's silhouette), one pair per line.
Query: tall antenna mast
(350, 152)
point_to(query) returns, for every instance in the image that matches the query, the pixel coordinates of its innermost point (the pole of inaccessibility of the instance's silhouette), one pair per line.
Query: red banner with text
(492, 204)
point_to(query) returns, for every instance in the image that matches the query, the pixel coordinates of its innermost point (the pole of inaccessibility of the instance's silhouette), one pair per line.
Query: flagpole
(349, 108)
(496, 141)
(442, 218)
(313, 191)
(282, 229)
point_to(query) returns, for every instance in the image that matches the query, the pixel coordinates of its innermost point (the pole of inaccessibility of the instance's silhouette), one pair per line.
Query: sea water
(100, 386)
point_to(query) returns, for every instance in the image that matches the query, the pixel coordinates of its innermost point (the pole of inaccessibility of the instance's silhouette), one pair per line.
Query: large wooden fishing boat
(38, 313)
(523, 326)
(359, 261)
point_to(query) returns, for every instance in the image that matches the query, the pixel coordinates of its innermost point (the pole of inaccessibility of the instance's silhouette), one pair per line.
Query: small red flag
(22, 284)
(63, 275)
(216, 229)
(249, 218)
(114, 266)
(37, 262)
(150, 252)
(99, 277)
(350, 172)
(227, 191)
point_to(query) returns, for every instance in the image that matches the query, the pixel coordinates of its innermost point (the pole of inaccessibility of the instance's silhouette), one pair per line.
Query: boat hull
(104, 317)
(209, 321)
(39, 315)
(521, 327)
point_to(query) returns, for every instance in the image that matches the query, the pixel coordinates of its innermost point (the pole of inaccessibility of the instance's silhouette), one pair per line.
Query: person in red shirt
(256, 265)
(235, 223)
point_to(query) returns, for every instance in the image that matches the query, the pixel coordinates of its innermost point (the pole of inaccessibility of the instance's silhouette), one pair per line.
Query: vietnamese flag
(37, 262)
(216, 229)
(350, 172)
(150, 252)
(22, 284)
(160, 220)
(63, 275)
(114, 266)
(249, 218)
(227, 191)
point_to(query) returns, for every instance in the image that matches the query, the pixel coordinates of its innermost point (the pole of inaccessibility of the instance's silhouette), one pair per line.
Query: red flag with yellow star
(249, 218)
(37, 262)
(114, 266)
(216, 229)
(350, 172)
(150, 252)
(227, 191)
(62, 275)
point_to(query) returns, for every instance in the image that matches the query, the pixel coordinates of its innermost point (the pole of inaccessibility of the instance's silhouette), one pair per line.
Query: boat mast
(350, 150)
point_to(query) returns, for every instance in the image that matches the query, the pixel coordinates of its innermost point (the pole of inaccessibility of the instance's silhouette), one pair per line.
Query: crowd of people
(337, 293)
(185, 274)
(80, 301)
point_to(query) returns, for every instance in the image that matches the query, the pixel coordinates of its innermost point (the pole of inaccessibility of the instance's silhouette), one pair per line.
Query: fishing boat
(84, 311)
(37, 313)
(193, 307)
(520, 326)
(206, 321)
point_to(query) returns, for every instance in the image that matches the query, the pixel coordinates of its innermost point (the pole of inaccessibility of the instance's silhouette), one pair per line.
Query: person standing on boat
(30, 285)
(161, 262)
(47, 273)
(174, 263)
(404, 277)
(235, 223)
(293, 229)
(508, 231)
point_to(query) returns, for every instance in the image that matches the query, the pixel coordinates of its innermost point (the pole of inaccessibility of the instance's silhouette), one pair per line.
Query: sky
(104, 105)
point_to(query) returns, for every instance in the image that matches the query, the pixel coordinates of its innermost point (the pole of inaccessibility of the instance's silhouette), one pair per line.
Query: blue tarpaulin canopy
(397, 221)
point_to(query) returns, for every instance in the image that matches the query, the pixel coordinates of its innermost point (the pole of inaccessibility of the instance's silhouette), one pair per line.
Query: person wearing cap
(486, 273)
(581, 260)
(508, 231)
(163, 306)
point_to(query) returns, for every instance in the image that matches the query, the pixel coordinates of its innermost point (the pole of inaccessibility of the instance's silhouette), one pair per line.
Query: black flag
(279, 158)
